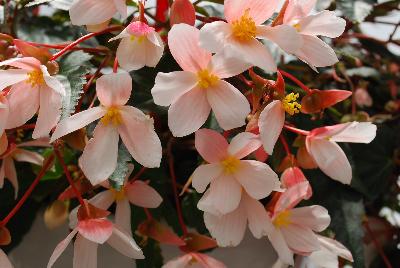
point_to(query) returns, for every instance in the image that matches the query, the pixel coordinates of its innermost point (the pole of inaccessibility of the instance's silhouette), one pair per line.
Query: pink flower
(237, 37)
(227, 174)
(292, 176)
(92, 12)
(4, 261)
(194, 260)
(32, 87)
(136, 129)
(140, 46)
(314, 51)
(327, 257)
(229, 229)
(93, 229)
(193, 92)
(330, 158)
(15, 152)
(272, 119)
(292, 229)
(4, 112)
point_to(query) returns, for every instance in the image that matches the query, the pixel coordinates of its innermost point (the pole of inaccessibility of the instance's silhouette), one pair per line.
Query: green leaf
(119, 174)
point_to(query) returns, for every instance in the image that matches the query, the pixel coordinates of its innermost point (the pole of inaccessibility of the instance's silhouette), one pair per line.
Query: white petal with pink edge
(11, 77)
(259, 10)
(224, 67)
(356, 132)
(313, 217)
(114, 89)
(141, 194)
(324, 23)
(124, 244)
(259, 222)
(213, 36)
(204, 174)
(300, 239)
(278, 241)
(211, 145)
(91, 12)
(285, 36)
(95, 230)
(316, 52)
(244, 144)
(85, 253)
(123, 215)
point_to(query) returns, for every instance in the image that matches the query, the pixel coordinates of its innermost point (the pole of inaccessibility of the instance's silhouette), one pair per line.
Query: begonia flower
(4, 261)
(93, 12)
(322, 145)
(292, 176)
(228, 175)
(4, 112)
(238, 36)
(313, 50)
(99, 158)
(193, 92)
(32, 88)
(194, 260)
(140, 46)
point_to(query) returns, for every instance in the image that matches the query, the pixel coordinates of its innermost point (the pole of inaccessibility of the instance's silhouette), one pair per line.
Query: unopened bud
(56, 214)
(52, 67)
(182, 11)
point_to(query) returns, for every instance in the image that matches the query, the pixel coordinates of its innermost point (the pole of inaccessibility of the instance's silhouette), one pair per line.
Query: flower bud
(182, 11)
(5, 236)
(27, 50)
(159, 232)
(318, 100)
(304, 159)
(56, 214)
(52, 67)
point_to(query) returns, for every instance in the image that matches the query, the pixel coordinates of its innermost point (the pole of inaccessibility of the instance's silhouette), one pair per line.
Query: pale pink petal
(213, 36)
(327, 132)
(207, 261)
(270, 123)
(189, 112)
(95, 230)
(356, 132)
(4, 261)
(229, 105)
(49, 112)
(99, 159)
(4, 112)
(316, 52)
(123, 215)
(259, 10)
(142, 143)
(285, 36)
(42, 142)
(180, 262)
(121, 7)
(298, 9)
(3, 143)
(114, 89)
(91, 12)
(204, 174)
(85, 253)
(300, 239)
(331, 159)
(25, 63)
(225, 67)
(60, 248)
(314, 217)
(227, 229)
(23, 101)
(124, 244)
(320, 258)
(292, 196)
(279, 243)
(207, 204)
(257, 178)
(11, 174)
(77, 121)
(11, 77)
(52, 82)
(28, 156)
(324, 23)
(155, 38)
(259, 222)
(169, 87)
(183, 41)
(292, 176)
(141, 194)
(335, 247)
(154, 49)
(244, 144)
(211, 145)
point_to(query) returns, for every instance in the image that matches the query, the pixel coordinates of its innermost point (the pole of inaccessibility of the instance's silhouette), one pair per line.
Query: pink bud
(160, 233)
(182, 11)
(362, 97)
(27, 50)
(318, 100)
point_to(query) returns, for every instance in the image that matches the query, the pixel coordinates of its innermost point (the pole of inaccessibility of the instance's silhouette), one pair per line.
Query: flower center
(230, 164)
(139, 38)
(35, 78)
(113, 116)
(282, 219)
(297, 27)
(244, 29)
(206, 79)
(118, 195)
(290, 104)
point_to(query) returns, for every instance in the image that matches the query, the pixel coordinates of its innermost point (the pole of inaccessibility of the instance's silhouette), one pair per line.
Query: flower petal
(301, 239)
(22, 155)
(134, 54)
(114, 89)
(207, 261)
(259, 10)
(244, 144)
(91, 12)
(213, 36)
(316, 52)
(356, 132)
(298, 9)
(122, 8)
(52, 82)
(292, 196)
(123, 215)
(211, 145)
(279, 243)
(271, 122)
(204, 174)
(85, 253)
(95, 230)
(60, 248)
(259, 222)
(124, 244)
(324, 23)
(188, 113)
(25, 63)
(169, 87)
(225, 67)
(183, 41)
(4, 112)
(142, 143)
(179, 262)
(11, 77)
(11, 174)
(99, 159)
(143, 195)
(335, 247)
(285, 36)
(4, 261)
(229, 105)
(313, 217)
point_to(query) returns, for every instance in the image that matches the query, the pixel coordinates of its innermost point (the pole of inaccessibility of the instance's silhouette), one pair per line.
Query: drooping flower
(93, 12)
(194, 260)
(330, 158)
(91, 230)
(292, 229)
(99, 159)
(140, 46)
(193, 92)
(15, 152)
(238, 36)
(32, 88)
(313, 50)
(229, 176)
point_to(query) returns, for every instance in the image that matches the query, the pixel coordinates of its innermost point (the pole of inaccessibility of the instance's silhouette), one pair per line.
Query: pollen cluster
(113, 116)
(206, 79)
(290, 104)
(139, 38)
(244, 29)
(282, 219)
(35, 78)
(118, 195)
(230, 164)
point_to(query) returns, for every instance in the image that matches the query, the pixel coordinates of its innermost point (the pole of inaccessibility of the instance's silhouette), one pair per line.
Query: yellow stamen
(290, 105)
(35, 78)
(230, 164)
(206, 79)
(118, 195)
(139, 39)
(113, 116)
(297, 27)
(244, 29)
(282, 219)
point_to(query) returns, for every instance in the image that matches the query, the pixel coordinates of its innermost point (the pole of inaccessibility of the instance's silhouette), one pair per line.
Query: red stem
(115, 67)
(377, 245)
(148, 214)
(296, 81)
(83, 38)
(61, 46)
(285, 144)
(28, 192)
(296, 130)
(140, 173)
